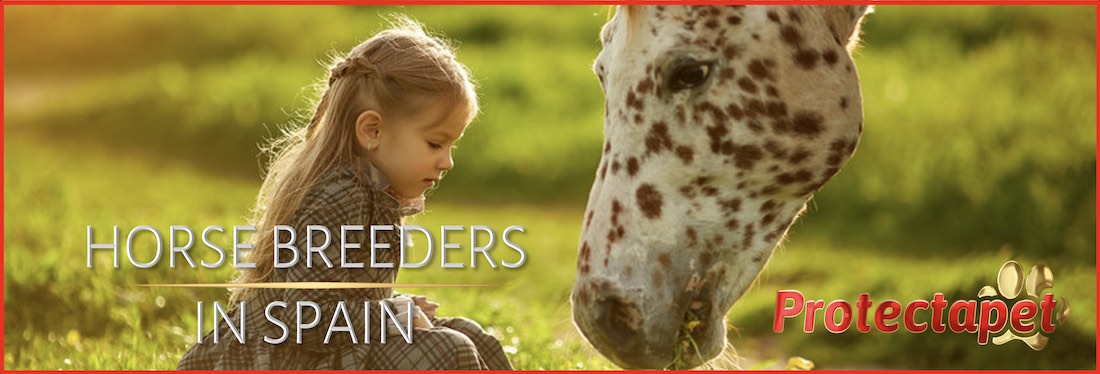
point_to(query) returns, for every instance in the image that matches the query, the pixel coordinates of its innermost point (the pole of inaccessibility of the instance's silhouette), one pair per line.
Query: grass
(686, 346)
(59, 314)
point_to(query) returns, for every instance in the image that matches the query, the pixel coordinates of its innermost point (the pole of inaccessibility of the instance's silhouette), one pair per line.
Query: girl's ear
(368, 129)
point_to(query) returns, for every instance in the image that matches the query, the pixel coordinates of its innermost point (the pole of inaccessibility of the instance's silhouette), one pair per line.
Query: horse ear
(844, 21)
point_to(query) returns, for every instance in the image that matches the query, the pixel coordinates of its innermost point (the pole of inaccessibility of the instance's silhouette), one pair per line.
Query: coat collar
(379, 182)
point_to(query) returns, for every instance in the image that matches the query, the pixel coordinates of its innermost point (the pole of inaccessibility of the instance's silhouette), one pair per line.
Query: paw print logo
(1011, 283)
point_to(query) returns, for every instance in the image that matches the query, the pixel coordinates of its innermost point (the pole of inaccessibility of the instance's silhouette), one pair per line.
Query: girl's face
(414, 150)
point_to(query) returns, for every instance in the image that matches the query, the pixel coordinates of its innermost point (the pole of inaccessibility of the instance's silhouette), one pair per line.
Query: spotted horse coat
(720, 123)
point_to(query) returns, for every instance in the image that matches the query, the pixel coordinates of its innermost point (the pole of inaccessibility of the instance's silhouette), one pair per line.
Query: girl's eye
(435, 145)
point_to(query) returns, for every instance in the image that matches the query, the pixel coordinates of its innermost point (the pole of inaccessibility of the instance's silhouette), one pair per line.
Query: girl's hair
(394, 73)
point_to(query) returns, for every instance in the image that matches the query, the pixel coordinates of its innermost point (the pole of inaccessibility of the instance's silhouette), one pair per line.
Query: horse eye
(689, 75)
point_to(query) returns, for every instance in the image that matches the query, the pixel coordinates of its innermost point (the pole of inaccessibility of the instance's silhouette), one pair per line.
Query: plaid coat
(343, 198)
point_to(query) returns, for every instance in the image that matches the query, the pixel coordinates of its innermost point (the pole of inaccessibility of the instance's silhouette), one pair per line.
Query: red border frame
(5, 3)
(541, 2)
(3, 105)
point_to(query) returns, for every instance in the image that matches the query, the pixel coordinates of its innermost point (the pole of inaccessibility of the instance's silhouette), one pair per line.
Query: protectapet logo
(1010, 282)
(1028, 319)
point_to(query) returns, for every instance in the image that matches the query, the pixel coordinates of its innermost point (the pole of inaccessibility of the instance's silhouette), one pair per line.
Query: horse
(720, 123)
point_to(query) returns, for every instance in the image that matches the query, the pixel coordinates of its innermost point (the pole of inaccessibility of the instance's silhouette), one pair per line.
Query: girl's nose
(447, 163)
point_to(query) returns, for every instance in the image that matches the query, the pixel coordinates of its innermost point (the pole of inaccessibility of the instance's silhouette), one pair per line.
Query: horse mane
(633, 16)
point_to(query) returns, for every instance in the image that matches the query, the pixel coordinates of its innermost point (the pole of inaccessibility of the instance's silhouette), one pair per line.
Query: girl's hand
(426, 306)
(402, 307)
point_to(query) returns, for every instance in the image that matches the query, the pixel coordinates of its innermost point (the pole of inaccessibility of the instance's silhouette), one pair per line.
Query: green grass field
(60, 314)
(979, 147)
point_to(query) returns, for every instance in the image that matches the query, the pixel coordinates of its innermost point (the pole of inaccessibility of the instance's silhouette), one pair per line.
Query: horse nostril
(619, 319)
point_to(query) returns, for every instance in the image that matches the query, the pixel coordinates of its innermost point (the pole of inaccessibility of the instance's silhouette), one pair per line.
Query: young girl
(381, 136)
